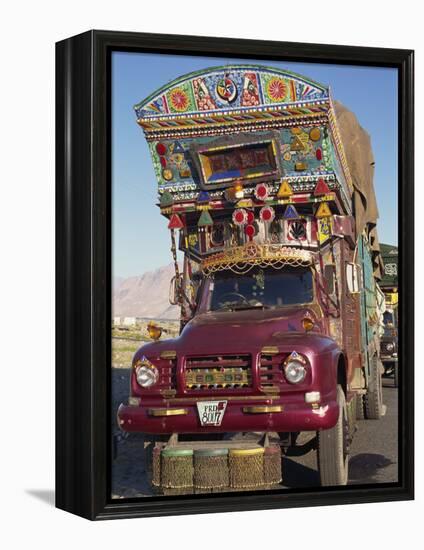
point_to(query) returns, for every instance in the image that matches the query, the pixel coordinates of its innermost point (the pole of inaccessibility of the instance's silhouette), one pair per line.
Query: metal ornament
(239, 216)
(267, 214)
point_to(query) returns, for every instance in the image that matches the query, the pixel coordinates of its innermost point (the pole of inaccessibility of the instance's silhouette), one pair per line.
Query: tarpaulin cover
(360, 159)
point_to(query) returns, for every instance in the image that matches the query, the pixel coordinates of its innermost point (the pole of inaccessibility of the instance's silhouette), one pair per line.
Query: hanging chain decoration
(242, 259)
(181, 295)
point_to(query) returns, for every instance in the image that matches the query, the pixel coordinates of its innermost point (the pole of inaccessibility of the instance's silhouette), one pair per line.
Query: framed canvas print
(234, 274)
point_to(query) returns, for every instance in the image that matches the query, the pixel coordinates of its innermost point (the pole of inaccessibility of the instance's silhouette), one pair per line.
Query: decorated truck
(266, 184)
(389, 285)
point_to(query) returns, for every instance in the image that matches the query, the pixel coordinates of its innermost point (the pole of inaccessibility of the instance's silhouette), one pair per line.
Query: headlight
(147, 374)
(390, 347)
(295, 368)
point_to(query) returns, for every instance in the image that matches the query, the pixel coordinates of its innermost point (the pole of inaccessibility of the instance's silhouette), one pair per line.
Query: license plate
(211, 413)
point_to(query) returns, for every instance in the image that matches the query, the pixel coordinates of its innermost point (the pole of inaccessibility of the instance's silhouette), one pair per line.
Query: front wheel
(333, 448)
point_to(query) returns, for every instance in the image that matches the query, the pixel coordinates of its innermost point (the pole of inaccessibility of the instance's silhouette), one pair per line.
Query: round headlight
(295, 372)
(147, 374)
(390, 346)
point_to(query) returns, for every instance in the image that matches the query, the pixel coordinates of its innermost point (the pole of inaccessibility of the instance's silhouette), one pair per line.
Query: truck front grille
(216, 372)
(271, 370)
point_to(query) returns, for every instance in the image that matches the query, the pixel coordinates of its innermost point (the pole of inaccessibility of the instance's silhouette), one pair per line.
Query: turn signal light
(154, 331)
(307, 324)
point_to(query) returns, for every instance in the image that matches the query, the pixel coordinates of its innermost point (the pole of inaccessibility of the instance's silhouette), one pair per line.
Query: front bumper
(263, 414)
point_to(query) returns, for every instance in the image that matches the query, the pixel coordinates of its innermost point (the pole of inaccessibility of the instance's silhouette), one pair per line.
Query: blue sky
(140, 236)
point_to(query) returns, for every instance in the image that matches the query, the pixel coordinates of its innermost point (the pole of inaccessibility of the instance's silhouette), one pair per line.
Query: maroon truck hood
(246, 331)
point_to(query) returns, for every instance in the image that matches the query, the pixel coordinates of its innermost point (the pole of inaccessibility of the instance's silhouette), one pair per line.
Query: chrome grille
(271, 370)
(215, 372)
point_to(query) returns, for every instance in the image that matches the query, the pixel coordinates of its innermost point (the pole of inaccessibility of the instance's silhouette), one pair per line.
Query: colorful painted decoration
(167, 174)
(203, 97)
(323, 210)
(297, 144)
(276, 89)
(250, 95)
(250, 231)
(267, 214)
(175, 222)
(324, 229)
(184, 173)
(203, 196)
(240, 216)
(291, 213)
(161, 149)
(163, 162)
(205, 219)
(300, 166)
(179, 100)
(296, 230)
(166, 199)
(318, 154)
(285, 190)
(240, 85)
(245, 203)
(226, 89)
(321, 188)
(261, 191)
(315, 134)
(178, 148)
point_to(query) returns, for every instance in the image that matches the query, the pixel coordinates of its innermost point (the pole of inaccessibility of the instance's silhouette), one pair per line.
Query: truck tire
(332, 448)
(360, 413)
(373, 399)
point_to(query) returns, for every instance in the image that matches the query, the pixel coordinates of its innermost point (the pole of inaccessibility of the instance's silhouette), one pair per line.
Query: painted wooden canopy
(242, 91)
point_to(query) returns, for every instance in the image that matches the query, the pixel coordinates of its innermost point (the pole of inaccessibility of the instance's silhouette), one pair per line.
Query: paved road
(373, 457)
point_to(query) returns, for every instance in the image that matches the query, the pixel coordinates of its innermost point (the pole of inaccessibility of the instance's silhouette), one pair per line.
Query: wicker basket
(177, 468)
(272, 465)
(246, 468)
(211, 469)
(156, 458)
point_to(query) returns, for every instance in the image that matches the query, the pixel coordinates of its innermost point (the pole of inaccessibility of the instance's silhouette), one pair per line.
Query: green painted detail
(166, 199)
(205, 219)
(177, 452)
(211, 452)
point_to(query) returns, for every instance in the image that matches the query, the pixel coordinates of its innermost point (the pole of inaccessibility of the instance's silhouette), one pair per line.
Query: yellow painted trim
(261, 409)
(269, 350)
(167, 412)
(246, 452)
(168, 354)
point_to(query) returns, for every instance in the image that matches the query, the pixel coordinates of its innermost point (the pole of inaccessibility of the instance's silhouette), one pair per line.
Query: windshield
(260, 288)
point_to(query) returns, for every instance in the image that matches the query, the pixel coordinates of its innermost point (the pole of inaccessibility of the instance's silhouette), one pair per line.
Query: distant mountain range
(145, 295)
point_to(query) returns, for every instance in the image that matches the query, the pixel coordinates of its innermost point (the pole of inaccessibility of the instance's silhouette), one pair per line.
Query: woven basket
(272, 465)
(211, 469)
(177, 468)
(156, 458)
(246, 468)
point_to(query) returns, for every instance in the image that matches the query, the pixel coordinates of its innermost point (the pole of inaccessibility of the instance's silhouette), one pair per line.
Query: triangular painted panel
(205, 219)
(323, 210)
(175, 222)
(321, 188)
(291, 213)
(285, 190)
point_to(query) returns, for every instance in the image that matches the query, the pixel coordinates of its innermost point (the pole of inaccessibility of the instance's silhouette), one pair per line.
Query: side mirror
(174, 291)
(329, 278)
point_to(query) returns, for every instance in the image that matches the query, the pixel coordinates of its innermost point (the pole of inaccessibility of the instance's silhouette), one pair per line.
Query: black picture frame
(83, 252)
